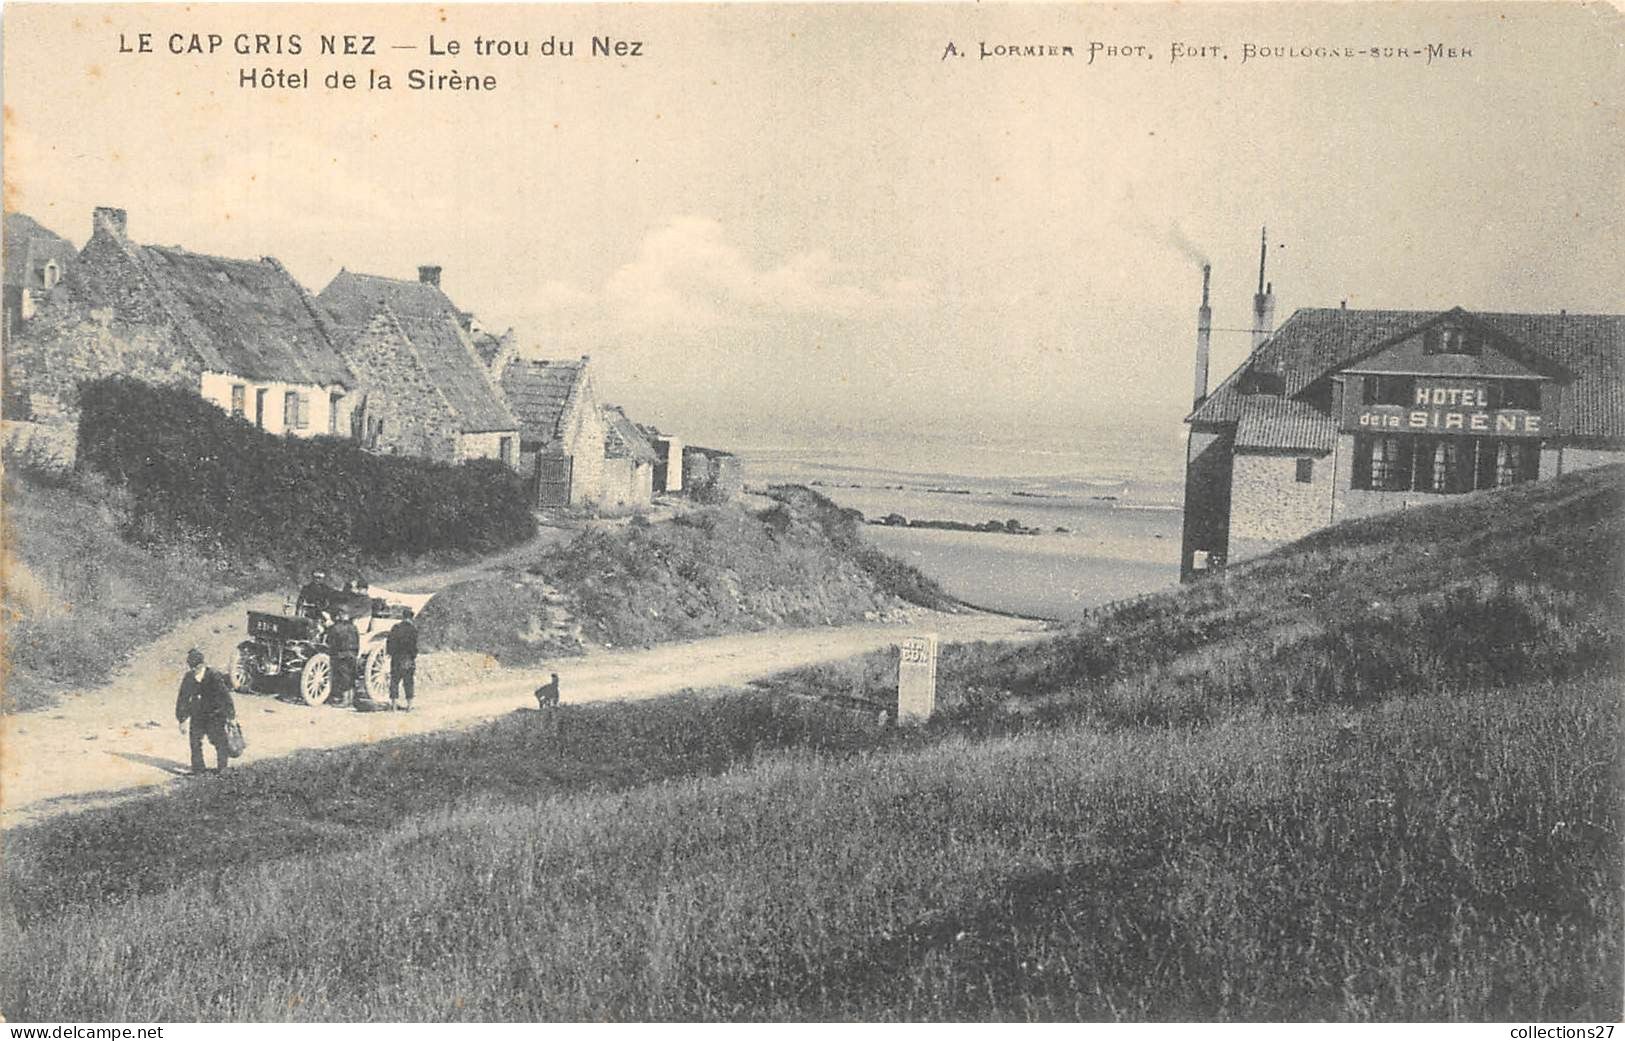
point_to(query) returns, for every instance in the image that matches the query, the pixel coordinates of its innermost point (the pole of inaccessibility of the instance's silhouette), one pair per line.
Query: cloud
(689, 275)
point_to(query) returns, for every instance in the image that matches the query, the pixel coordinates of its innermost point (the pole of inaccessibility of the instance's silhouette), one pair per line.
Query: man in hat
(314, 596)
(342, 644)
(205, 700)
(402, 647)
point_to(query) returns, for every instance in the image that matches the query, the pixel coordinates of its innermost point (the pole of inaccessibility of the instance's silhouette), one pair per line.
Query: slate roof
(446, 355)
(430, 328)
(354, 298)
(623, 439)
(1267, 422)
(540, 392)
(1315, 343)
(248, 318)
(27, 246)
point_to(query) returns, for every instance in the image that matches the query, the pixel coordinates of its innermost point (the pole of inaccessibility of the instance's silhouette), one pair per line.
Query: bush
(213, 482)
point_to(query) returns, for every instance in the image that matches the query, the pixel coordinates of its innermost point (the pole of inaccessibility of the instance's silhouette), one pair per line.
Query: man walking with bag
(205, 700)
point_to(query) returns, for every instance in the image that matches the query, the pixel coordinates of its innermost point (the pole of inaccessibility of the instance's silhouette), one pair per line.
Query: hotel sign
(1448, 407)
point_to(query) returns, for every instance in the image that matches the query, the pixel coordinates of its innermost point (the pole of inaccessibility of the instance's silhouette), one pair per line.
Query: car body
(287, 652)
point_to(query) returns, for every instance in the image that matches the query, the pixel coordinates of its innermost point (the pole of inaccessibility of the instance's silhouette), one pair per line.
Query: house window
(295, 410)
(1306, 470)
(51, 275)
(505, 450)
(259, 408)
(1452, 339)
(239, 399)
(333, 400)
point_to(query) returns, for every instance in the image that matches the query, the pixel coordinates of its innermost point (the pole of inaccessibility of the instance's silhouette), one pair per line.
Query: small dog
(547, 695)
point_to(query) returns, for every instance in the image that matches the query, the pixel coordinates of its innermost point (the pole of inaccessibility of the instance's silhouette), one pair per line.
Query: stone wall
(583, 440)
(712, 476)
(488, 445)
(1269, 504)
(617, 484)
(396, 391)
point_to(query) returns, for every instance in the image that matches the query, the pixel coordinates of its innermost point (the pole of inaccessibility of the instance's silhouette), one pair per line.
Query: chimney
(1204, 337)
(429, 275)
(109, 220)
(1264, 299)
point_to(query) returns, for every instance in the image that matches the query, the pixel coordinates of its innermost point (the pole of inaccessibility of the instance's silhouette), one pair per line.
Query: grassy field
(1397, 798)
(722, 569)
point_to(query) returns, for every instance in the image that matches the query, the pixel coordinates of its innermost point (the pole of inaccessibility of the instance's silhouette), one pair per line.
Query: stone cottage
(712, 475)
(629, 462)
(562, 428)
(36, 259)
(243, 333)
(424, 389)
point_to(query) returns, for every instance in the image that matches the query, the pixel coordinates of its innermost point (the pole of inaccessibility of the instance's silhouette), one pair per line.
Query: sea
(1104, 510)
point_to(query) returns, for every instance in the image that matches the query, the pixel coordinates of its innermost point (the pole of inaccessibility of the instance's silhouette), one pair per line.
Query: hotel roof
(1317, 343)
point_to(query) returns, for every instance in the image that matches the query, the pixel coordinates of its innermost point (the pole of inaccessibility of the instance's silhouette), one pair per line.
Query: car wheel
(245, 667)
(375, 676)
(316, 680)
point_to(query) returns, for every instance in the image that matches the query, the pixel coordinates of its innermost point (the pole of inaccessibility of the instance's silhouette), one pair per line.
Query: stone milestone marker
(916, 678)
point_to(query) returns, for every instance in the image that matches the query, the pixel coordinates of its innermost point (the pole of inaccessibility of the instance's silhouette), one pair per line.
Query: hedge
(199, 476)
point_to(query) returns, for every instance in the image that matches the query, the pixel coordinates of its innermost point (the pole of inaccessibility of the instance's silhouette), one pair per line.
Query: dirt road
(122, 740)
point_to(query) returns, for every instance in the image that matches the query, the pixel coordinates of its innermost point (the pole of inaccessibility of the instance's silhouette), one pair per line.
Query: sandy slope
(123, 739)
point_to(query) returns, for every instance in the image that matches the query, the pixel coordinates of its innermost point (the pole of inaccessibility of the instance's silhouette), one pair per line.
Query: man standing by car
(205, 699)
(342, 644)
(402, 648)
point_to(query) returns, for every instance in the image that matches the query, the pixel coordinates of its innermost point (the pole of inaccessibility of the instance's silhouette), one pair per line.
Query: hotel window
(239, 399)
(1451, 339)
(1442, 465)
(1306, 470)
(1388, 390)
(1521, 394)
(1381, 464)
(1516, 462)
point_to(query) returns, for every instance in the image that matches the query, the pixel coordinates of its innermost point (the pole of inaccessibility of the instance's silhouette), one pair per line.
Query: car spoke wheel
(375, 673)
(245, 668)
(316, 680)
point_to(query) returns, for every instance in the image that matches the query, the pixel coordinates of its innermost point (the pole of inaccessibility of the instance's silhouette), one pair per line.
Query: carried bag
(235, 741)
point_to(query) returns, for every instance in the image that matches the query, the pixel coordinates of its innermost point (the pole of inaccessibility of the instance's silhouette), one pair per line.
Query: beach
(1101, 526)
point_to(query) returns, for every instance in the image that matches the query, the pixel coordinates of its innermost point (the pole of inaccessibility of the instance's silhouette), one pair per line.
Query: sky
(783, 225)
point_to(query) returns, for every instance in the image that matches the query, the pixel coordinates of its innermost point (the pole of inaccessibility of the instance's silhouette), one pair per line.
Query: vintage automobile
(287, 652)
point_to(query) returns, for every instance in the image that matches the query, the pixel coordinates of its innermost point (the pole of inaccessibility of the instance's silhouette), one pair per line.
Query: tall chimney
(1264, 299)
(429, 275)
(109, 220)
(1204, 337)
